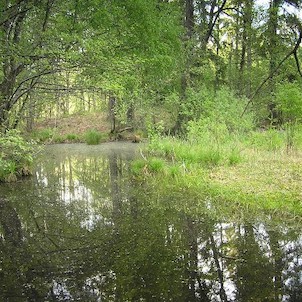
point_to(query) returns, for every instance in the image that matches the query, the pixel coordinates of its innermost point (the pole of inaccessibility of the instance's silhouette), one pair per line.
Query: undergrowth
(16, 156)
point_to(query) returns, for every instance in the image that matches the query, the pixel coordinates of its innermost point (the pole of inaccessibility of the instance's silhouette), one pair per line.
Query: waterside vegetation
(254, 179)
(229, 161)
(16, 156)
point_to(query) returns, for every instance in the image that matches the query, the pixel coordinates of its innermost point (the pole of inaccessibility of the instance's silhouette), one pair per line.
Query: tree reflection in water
(82, 230)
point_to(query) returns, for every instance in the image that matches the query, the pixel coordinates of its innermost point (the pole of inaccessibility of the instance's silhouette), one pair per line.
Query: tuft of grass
(72, 137)
(234, 157)
(138, 166)
(58, 139)
(93, 137)
(174, 170)
(44, 135)
(156, 165)
(210, 156)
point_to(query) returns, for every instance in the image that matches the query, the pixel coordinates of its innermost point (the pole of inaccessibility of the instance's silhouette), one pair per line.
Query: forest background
(224, 74)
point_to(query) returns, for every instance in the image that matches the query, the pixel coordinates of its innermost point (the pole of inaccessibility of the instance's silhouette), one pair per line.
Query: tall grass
(269, 140)
(93, 137)
(44, 135)
(190, 153)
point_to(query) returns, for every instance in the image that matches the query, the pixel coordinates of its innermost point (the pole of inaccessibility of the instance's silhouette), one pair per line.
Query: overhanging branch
(270, 76)
(36, 76)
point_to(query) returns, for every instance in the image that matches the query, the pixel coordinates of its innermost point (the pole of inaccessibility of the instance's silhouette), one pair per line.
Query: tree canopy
(149, 55)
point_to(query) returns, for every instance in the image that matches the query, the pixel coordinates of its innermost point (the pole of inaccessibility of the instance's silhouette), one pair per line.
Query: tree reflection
(83, 230)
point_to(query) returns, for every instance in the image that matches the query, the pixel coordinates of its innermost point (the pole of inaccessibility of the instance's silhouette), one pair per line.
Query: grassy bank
(249, 171)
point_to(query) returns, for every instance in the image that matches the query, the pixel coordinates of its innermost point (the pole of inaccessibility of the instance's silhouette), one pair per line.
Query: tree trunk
(112, 112)
(185, 77)
(246, 52)
(274, 115)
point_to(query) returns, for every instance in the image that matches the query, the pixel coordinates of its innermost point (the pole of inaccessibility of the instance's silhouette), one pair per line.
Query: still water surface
(83, 229)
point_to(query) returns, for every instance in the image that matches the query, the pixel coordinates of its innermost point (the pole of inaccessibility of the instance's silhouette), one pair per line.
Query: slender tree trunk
(249, 20)
(273, 53)
(30, 114)
(185, 77)
(246, 51)
(112, 112)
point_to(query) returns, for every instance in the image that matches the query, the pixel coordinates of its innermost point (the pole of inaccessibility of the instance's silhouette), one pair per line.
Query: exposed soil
(76, 124)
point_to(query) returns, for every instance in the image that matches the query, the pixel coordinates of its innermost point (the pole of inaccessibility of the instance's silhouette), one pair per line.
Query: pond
(84, 229)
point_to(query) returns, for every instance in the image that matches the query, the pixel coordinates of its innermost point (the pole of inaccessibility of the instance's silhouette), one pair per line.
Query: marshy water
(83, 229)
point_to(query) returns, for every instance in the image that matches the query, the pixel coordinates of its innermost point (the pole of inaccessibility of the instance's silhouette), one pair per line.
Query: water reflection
(82, 230)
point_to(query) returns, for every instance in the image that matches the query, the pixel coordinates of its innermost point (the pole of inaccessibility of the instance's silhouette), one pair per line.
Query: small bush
(16, 156)
(93, 137)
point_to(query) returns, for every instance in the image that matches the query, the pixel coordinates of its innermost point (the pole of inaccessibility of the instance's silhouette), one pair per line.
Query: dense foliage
(156, 58)
(16, 156)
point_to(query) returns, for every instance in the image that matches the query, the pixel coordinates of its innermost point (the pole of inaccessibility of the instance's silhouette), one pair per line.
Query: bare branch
(13, 16)
(212, 24)
(36, 76)
(270, 76)
(297, 63)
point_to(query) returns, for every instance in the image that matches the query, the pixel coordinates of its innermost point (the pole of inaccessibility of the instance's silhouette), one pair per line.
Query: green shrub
(93, 137)
(16, 156)
(219, 114)
(288, 98)
(289, 101)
